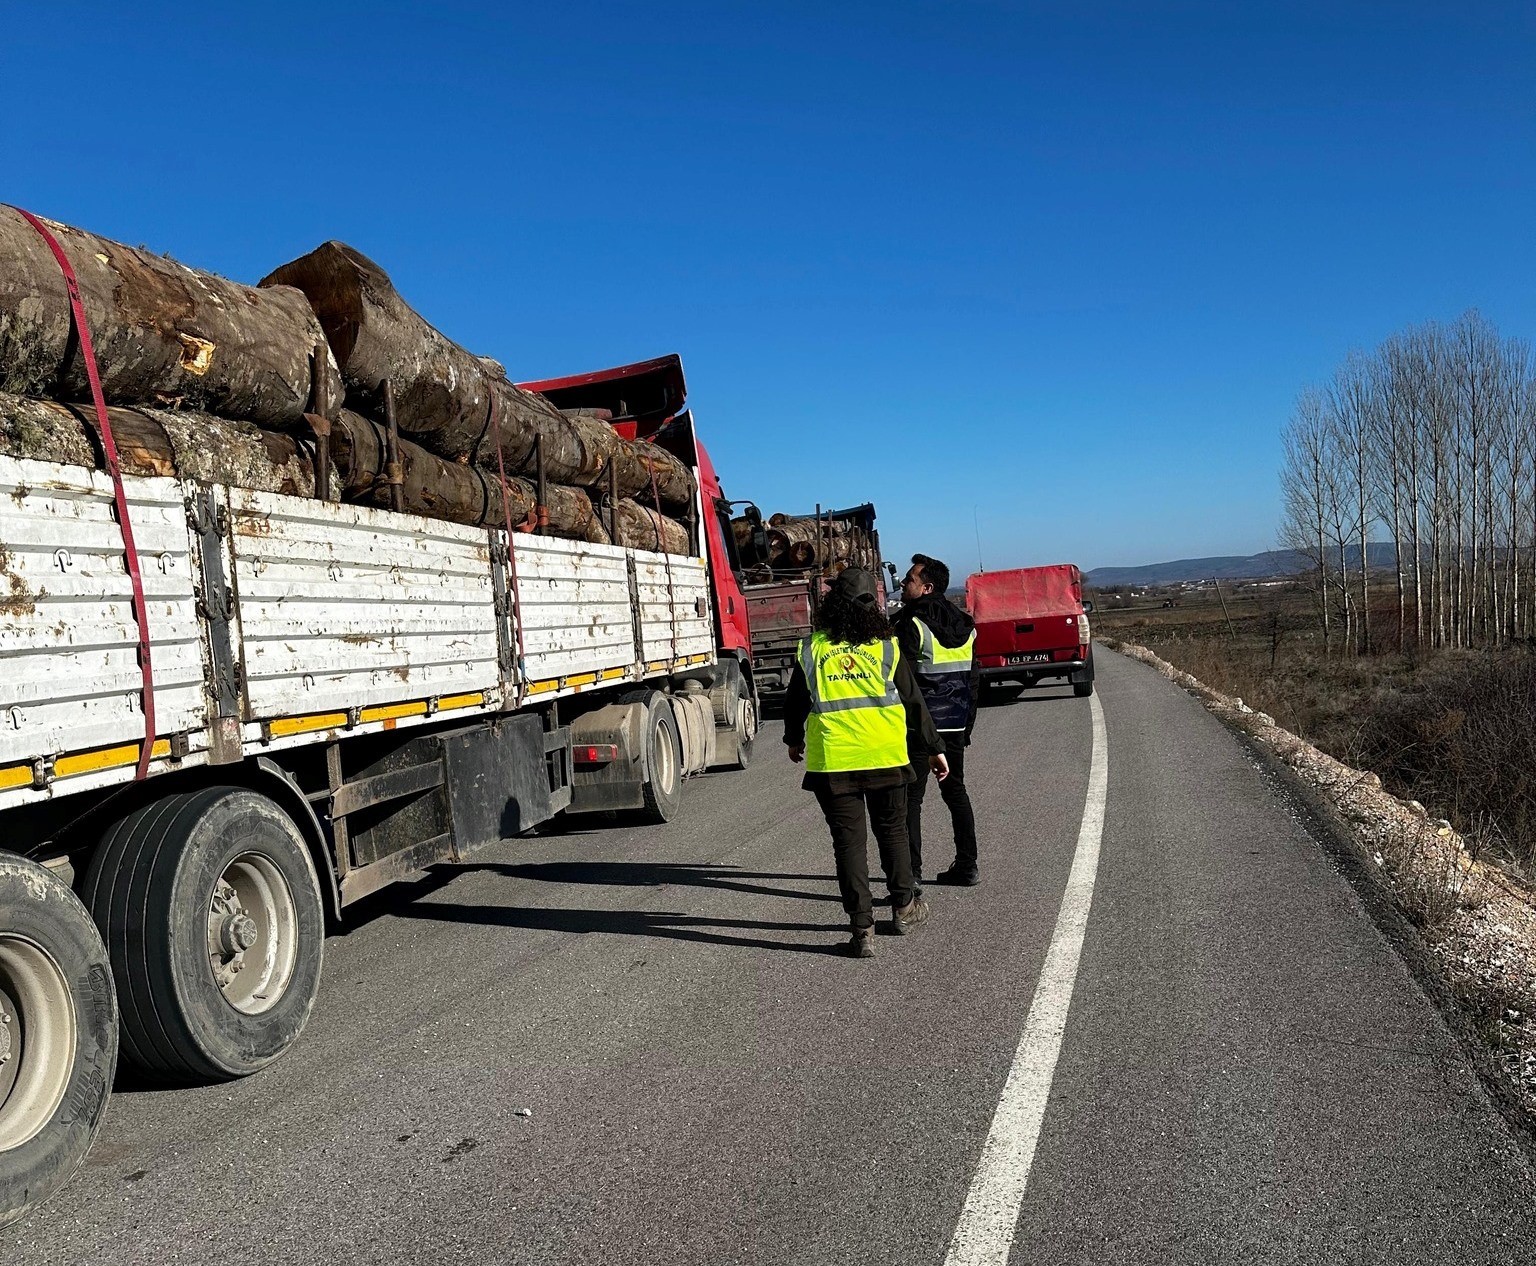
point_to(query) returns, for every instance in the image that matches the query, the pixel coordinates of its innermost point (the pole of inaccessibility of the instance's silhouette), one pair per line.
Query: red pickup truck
(1031, 624)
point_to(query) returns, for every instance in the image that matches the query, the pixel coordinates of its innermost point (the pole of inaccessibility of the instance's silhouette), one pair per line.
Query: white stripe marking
(984, 1234)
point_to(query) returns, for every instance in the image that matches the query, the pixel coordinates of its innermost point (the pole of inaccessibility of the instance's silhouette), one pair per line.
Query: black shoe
(958, 877)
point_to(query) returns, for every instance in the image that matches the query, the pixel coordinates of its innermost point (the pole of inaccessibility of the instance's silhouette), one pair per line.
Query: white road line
(984, 1234)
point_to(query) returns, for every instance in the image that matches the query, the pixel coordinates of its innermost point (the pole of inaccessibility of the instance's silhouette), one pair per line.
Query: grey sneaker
(862, 942)
(905, 918)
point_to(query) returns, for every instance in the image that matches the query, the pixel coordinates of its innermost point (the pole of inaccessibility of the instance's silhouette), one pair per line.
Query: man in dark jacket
(939, 641)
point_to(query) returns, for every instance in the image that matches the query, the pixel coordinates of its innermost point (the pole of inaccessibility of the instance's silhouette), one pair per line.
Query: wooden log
(802, 542)
(448, 490)
(443, 392)
(159, 442)
(793, 539)
(673, 484)
(641, 527)
(164, 334)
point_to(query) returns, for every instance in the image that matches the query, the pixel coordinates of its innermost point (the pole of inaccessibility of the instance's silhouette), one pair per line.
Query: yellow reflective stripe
(286, 727)
(661, 665)
(574, 680)
(935, 657)
(91, 762)
(391, 712)
(107, 758)
(449, 702)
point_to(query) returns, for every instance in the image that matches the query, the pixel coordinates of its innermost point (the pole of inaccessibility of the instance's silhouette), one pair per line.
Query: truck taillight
(595, 753)
(1083, 635)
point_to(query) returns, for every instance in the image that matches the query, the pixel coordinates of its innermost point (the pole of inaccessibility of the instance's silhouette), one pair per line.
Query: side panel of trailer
(278, 621)
(70, 681)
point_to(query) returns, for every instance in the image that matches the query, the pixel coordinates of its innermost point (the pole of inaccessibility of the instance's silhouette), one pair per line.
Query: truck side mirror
(1087, 607)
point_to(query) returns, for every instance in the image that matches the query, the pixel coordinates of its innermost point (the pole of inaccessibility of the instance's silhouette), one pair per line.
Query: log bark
(443, 392)
(804, 543)
(164, 334)
(448, 490)
(159, 442)
(641, 527)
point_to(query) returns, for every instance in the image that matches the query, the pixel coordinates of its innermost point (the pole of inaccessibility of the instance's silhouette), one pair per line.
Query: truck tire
(210, 909)
(746, 731)
(58, 1035)
(735, 708)
(663, 788)
(1082, 689)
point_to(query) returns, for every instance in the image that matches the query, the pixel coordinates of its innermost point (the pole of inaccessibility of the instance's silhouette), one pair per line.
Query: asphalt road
(1248, 1072)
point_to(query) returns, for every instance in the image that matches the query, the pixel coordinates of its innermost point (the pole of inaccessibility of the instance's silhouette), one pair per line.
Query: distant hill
(1265, 566)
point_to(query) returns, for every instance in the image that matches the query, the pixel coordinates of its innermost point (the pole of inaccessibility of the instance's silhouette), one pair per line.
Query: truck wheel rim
(37, 1039)
(665, 776)
(253, 934)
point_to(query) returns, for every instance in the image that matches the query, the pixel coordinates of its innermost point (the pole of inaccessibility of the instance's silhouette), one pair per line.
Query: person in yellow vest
(855, 716)
(940, 640)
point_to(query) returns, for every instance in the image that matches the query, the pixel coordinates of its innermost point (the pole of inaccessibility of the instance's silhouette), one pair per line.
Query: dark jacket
(923, 740)
(951, 626)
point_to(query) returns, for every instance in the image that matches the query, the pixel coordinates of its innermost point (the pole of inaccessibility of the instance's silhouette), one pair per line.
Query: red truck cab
(647, 401)
(1031, 624)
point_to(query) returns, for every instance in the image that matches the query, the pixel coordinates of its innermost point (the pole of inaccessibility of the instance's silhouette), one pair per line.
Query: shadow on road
(654, 875)
(1036, 694)
(667, 925)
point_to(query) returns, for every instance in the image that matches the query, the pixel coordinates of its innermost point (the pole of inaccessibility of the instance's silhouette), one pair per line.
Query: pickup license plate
(1033, 657)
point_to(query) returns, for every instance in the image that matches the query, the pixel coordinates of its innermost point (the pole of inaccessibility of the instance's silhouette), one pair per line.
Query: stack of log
(212, 380)
(804, 545)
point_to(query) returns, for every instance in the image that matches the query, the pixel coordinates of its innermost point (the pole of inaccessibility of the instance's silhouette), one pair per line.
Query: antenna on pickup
(976, 523)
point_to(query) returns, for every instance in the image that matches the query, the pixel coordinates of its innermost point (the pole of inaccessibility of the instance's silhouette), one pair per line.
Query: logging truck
(342, 696)
(789, 561)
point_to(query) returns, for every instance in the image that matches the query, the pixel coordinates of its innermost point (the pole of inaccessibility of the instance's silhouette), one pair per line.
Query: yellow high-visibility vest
(857, 718)
(943, 675)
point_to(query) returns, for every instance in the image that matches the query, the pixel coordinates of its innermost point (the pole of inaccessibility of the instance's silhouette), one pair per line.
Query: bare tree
(1432, 437)
(1307, 489)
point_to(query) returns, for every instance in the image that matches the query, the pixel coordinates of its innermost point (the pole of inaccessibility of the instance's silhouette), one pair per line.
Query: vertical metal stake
(392, 471)
(541, 511)
(613, 503)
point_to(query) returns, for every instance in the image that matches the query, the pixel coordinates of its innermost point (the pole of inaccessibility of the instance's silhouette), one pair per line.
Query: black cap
(858, 585)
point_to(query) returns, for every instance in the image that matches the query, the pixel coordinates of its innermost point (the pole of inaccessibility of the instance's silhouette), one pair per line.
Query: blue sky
(1065, 264)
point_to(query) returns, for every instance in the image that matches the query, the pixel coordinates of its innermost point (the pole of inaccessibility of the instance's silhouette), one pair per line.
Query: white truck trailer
(342, 696)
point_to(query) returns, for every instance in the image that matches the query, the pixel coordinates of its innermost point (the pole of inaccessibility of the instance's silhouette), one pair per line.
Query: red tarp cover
(1017, 595)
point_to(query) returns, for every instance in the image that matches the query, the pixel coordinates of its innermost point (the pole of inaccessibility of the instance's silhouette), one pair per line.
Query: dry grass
(1452, 730)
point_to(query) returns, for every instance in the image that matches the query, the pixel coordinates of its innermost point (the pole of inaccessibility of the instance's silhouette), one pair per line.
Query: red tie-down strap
(506, 509)
(119, 496)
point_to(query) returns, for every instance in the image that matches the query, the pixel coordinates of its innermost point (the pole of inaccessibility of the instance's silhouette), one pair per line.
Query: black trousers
(845, 814)
(955, 796)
